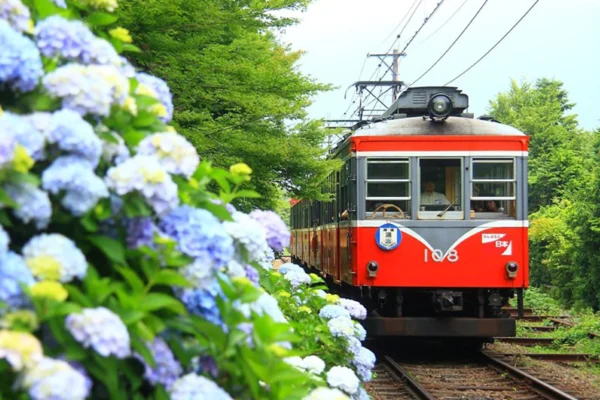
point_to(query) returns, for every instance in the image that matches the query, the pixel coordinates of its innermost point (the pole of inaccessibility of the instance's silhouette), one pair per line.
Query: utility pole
(392, 68)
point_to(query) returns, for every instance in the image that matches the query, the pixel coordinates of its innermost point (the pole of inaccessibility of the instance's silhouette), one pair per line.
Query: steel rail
(536, 384)
(412, 385)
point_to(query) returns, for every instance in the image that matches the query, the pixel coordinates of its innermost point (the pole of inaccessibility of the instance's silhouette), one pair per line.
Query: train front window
(493, 188)
(388, 188)
(441, 188)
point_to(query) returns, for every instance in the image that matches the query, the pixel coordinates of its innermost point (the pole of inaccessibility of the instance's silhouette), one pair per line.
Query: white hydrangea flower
(314, 365)
(323, 393)
(343, 378)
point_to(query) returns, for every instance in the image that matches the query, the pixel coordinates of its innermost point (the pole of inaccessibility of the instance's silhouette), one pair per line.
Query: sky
(558, 39)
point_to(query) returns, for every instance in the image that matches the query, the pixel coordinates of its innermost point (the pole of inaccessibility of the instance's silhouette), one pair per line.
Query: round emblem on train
(388, 236)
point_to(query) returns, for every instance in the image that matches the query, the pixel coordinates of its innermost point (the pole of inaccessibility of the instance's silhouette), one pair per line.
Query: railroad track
(471, 376)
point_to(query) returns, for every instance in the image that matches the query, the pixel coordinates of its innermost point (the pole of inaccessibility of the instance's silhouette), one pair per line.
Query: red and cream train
(427, 223)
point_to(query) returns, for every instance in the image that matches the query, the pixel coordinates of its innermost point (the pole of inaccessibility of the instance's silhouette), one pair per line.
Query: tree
(238, 93)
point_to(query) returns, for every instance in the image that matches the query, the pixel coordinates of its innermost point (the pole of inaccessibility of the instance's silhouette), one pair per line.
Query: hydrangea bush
(122, 275)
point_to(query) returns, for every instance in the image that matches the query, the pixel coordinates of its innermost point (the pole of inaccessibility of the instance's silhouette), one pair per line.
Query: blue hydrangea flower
(162, 89)
(343, 378)
(354, 345)
(289, 267)
(23, 132)
(75, 176)
(40, 121)
(265, 304)
(297, 278)
(203, 301)
(341, 327)
(198, 234)
(361, 394)
(91, 89)
(33, 204)
(364, 362)
(101, 52)
(56, 380)
(100, 329)
(57, 36)
(248, 235)
(277, 232)
(175, 153)
(13, 272)
(192, 386)
(235, 270)
(356, 310)
(200, 273)
(73, 134)
(20, 61)
(331, 311)
(359, 331)
(4, 241)
(145, 175)
(266, 259)
(167, 368)
(140, 232)
(7, 148)
(54, 257)
(16, 14)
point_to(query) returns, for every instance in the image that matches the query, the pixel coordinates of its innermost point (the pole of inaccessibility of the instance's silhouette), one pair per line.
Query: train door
(346, 214)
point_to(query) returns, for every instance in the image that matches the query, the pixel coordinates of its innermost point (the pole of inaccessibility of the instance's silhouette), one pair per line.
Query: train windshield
(441, 182)
(493, 188)
(388, 187)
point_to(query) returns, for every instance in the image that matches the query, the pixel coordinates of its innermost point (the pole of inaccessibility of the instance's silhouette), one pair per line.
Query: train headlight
(372, 268)
(439, 107)
(511, 269)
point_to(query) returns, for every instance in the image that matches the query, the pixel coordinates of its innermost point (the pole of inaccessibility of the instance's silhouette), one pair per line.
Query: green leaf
(89, 223)
(250, 194)
(170, 278)
(5, 199)
(144, 119)
(76, 295)
(25, 178)
(111, 248)
(140, 347)
(101, 19)
(155, 323)
(157, 301)
(131, 48)
(132, 278)
(130, 317)
(45, 8)
(135, 206)
(144, 102)
(143, 331)
(218, 210)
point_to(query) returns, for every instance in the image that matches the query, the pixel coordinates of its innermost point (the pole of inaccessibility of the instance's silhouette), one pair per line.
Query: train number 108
(437, 255)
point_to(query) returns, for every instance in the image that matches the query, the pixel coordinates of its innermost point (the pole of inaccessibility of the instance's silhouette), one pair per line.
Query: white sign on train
(491, 237)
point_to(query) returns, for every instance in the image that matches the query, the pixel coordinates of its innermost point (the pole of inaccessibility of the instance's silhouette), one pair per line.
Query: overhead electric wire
(451, 45)
(496, 44)
(417, 32)
(401, 21)
(444, 24)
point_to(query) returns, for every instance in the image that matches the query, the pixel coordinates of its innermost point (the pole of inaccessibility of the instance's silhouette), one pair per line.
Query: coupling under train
(427, 222)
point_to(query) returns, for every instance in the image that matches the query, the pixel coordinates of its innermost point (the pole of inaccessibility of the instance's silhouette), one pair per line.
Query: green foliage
(238, 94)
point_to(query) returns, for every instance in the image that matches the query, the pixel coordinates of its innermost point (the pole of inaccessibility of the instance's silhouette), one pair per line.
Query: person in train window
(491, 206)
(430, 196)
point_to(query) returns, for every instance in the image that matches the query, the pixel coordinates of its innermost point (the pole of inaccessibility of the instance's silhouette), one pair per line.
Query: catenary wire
(494, 46)
(452, 45)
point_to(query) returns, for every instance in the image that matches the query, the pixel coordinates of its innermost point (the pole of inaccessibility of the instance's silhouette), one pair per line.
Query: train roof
(459, 126)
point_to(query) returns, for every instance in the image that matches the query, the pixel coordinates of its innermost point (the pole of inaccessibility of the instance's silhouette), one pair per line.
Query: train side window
(493, 182)
(388, 183)
(441, 188)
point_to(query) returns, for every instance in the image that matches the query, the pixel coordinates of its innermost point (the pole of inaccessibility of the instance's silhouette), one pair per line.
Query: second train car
(427, 223)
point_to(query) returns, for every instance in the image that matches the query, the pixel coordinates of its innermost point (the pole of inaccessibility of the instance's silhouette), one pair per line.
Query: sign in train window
(388, 188)
(493, 186)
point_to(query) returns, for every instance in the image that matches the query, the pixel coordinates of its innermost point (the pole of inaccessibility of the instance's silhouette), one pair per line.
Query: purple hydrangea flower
(73, 134)
(100, 329)
(75, 176)
(167, 368)
(145, 175)
(56, 380)
(297, 278)
(162, 89)
(20, 61)
(278, 234)
(140, 232)
(23, 132)
(356, 310)
(331, 311)
(16, 14)
(192, 386)
(205, 364)
(13, 273)
(252, 274)
(364, 362)
(57, 36)
(33, 204)
(198, 234)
